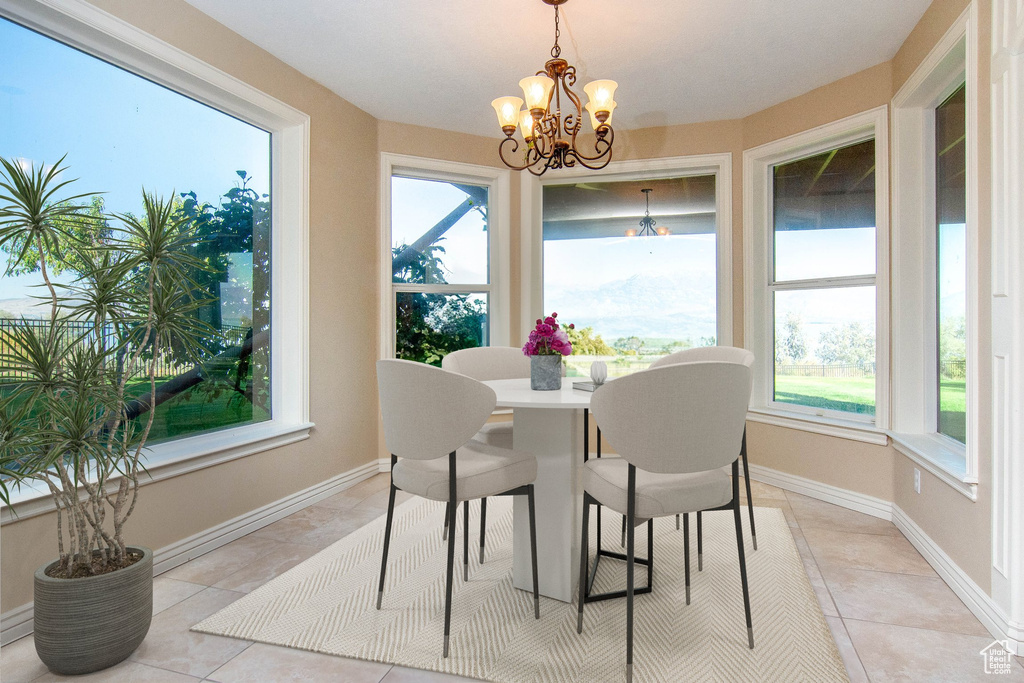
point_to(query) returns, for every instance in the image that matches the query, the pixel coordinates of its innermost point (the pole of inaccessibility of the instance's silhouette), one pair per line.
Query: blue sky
(120, 132)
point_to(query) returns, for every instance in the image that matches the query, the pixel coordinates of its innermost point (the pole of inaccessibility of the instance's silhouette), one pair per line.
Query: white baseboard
(851, 500)
(17, 623)
(976, 599)
(384, 465)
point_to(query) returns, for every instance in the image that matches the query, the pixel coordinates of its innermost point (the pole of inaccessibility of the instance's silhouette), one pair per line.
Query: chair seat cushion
(481, 470)
(496, 434)
(657, 495)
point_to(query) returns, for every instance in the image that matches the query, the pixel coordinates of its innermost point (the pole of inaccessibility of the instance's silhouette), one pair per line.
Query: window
(951, 265)
(823, 286)
(816, 312)
(272, 147)
(935, 265)
(632, 299)
(443, 269)
(135, 134)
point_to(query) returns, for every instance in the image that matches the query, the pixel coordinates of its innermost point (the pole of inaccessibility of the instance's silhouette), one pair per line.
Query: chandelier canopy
(548, 131)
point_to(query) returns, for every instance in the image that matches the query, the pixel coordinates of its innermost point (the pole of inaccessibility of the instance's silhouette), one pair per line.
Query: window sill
(175, 458)
(940, 457)
(843, 429)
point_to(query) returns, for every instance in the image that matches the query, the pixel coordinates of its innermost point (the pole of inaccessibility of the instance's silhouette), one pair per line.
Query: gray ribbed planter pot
(545, 373)
(88, 624)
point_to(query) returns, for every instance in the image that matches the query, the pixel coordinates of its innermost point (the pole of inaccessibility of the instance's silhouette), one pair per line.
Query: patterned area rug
(326, 604)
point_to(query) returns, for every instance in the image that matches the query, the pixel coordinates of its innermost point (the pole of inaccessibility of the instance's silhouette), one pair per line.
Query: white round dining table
(549, 425)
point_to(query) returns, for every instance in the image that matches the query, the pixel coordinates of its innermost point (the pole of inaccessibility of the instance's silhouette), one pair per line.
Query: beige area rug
(326, 604)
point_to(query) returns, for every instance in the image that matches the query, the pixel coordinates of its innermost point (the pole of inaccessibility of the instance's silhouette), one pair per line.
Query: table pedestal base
(552, 436)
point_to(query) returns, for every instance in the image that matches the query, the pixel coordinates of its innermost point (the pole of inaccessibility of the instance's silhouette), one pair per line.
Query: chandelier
(647, 228)
(549, 133)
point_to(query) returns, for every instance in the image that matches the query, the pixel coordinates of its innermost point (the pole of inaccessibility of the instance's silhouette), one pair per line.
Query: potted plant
(547, 343)
(69, 384)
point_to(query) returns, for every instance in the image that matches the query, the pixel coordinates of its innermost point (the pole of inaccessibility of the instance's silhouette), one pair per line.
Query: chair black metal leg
(584, 562)
(677, 522)
(387, 539)
(743, 559)
(700, 542)
(452, 505)
(447, 520)
(686, 554)
(586, 434)
(623, 531)
(483, 527)
(630, 548)
(750, 498)
(465, 541)
(650, 552)
(533, 554)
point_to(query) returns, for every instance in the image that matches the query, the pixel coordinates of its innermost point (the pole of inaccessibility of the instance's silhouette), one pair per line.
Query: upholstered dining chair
(486, 363)
(434, 455)
(675, 429)
(728, 354)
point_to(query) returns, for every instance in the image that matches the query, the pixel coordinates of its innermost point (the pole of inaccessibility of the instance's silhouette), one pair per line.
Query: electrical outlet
(917, 480)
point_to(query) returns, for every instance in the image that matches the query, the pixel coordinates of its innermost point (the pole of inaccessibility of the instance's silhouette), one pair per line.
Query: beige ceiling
(440, 63)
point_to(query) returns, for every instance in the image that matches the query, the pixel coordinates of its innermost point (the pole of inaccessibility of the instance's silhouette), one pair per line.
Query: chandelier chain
(555, 50)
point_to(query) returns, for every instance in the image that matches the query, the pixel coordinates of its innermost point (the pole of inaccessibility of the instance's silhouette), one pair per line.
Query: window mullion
(442, 289)
(824, 283)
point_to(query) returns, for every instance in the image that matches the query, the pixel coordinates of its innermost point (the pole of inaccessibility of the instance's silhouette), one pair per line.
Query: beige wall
(344, 301)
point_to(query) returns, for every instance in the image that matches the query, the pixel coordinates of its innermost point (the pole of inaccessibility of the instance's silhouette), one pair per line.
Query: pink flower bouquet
(548, 338)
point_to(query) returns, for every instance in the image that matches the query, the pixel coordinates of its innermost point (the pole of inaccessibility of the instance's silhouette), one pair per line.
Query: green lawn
(194, 411)
(857, 395)
(953, 409)
(848, 394)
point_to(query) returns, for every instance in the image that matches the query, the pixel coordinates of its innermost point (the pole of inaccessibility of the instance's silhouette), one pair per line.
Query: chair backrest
(687, 417)
(485, 363)
(726, 354)
(429, 412)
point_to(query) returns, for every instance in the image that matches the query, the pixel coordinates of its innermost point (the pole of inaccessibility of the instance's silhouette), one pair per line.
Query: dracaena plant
(69, 384)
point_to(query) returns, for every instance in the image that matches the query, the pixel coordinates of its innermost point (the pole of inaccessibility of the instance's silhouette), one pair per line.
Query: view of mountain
(673, 307)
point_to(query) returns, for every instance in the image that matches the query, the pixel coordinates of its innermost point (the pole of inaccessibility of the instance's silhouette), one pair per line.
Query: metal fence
(84, 330)
(829, 370)
(953, 369)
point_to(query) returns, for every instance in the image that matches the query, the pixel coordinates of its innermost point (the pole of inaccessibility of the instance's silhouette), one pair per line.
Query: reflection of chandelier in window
(647, 228)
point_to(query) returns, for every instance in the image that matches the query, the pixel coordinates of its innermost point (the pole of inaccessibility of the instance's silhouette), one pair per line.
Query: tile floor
(892, 617)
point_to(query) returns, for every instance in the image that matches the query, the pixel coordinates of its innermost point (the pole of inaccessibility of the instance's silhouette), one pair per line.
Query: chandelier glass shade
(548, 132)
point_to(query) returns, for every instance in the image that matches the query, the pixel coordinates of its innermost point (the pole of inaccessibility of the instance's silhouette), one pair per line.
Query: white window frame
(497, 182)
(532, 236)
(915, 395)
(759, 318)
(98, 33)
